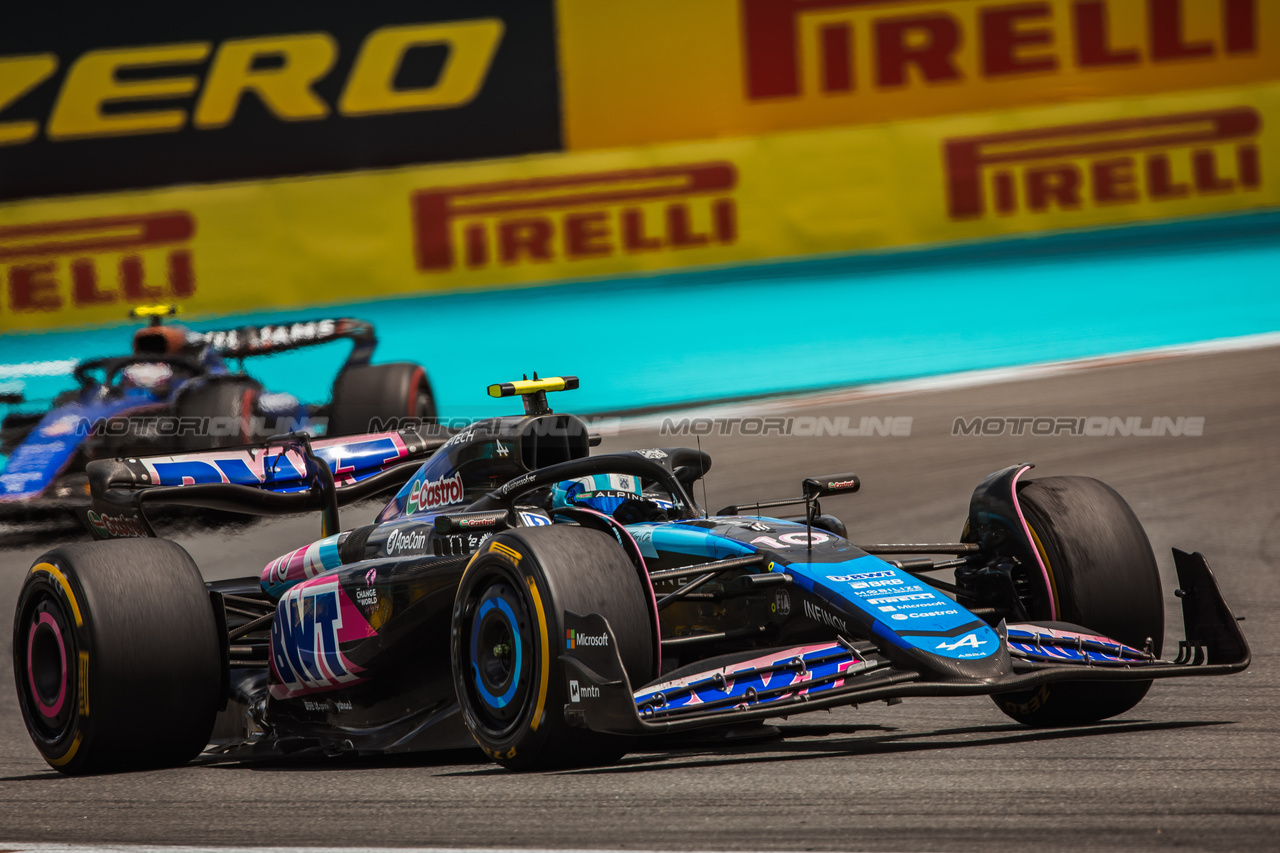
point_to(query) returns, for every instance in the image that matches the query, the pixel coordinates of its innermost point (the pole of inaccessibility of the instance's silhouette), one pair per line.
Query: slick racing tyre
(508, 634)
(1103, 579)
(230, 409)
(379, 392)
(116, 656)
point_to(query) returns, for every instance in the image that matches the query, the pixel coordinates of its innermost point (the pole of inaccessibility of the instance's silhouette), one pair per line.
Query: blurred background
(677, 201)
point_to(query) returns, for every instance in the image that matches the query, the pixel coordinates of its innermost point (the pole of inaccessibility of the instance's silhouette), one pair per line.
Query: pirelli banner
(250, 245)
(662, 70)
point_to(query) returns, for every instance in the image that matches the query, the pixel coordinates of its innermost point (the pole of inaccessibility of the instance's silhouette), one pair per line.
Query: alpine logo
(573, 639)
(428, 494)
(970, 640)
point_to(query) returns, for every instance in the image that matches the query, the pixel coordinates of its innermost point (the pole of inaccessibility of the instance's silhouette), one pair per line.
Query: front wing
(813, 677)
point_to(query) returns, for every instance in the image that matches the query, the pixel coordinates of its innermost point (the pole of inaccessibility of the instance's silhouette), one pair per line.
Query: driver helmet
(616, 495)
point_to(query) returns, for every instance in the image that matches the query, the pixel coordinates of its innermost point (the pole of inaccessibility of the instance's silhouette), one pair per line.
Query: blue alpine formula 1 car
(178, 391)
(557, 607)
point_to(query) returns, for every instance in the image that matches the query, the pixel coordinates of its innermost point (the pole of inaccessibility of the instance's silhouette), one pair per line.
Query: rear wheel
(227, 410)
(364, 396)
(116, 656)
(507, 638)
(1103, 578)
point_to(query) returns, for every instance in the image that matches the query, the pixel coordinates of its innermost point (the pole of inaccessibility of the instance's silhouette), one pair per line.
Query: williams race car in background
(556, 607)
(189, 398)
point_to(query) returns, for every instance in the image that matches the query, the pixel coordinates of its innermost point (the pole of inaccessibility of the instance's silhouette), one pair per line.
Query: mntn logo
(578, 692)
(575, 217)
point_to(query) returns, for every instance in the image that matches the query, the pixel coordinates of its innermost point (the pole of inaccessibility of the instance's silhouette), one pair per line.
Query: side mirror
(830, 484)
(11, 399)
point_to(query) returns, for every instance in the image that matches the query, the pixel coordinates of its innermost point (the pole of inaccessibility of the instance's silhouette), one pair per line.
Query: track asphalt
(1196, 766)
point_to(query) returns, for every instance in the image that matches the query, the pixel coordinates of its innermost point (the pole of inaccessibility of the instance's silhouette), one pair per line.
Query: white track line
(44, 847)
(949, 381)
(38, 368)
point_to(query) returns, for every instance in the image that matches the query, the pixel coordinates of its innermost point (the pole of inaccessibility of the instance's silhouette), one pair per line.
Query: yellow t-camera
(534, 391)
(154, 312)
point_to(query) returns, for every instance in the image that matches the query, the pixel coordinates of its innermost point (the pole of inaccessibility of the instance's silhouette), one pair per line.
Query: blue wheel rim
(486, 606)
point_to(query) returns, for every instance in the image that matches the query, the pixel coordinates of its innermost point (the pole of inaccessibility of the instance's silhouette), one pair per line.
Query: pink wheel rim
(48, 710)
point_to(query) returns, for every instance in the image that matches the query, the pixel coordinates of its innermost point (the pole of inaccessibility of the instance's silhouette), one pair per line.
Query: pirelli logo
(81, 263)
(575, 217)
(846, 46)
(1070, 167)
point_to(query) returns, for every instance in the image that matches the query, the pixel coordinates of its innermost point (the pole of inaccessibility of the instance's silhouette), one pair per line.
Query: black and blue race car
(182, 390)
(557, 606)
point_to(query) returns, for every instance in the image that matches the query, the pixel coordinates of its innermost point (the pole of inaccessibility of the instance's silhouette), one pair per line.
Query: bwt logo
(575, 217)
(1159, 158)
(305, 639)
(52, 265)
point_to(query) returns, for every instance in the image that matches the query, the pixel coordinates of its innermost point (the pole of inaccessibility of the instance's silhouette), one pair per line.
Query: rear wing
(284, 475)
(246, 341)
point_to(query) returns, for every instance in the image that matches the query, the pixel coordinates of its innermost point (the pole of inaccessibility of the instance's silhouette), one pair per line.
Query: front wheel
(508, 633)
(1102, 578)
(116, 656)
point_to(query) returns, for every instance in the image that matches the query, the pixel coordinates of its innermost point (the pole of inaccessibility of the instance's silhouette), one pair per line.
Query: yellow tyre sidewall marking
(544, 634)
(545, 676)
(56, 573)
(83, 679)
(70, 753)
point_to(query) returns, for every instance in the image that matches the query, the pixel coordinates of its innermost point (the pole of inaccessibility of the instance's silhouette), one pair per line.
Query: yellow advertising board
(663, 70)
(254, 246)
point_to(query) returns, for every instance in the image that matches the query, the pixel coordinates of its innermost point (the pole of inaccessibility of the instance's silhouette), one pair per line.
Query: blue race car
(556, 607)
(178, 391)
